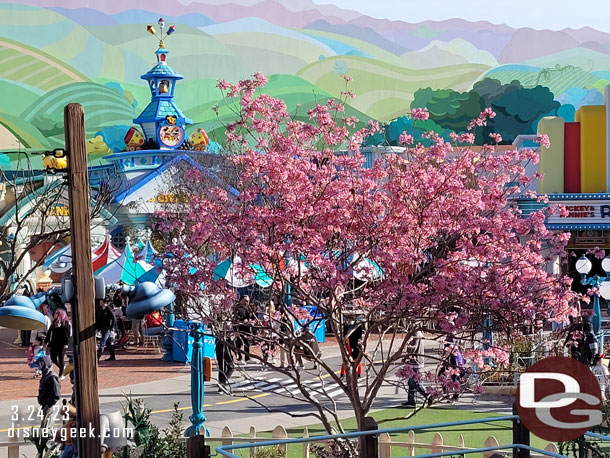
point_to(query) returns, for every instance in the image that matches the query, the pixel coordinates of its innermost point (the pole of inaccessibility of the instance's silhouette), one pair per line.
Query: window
(118, 238)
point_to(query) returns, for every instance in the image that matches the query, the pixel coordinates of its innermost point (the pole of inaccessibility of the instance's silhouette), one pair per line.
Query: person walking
(602, 374)
(414, 363)
(243, 326)
(574, 337)
(49, 388)
(451, 372)
(285, 330)
(353, 331)
(590, 345)
(105, 322)
(48, 318)
(269, 333)
(224, 359)
(137, 326)
(58, 338)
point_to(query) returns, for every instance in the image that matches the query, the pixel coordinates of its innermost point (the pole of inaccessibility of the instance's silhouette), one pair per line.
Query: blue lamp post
(584, 266)
(197, 381)
(147, 298)
(488, 336)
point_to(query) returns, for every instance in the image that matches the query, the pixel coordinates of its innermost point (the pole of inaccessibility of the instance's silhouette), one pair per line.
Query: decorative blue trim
(594, 196)
(579, 227)
(149, 152)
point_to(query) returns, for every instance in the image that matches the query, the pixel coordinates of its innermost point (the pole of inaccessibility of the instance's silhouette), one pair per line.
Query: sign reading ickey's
(581, 212)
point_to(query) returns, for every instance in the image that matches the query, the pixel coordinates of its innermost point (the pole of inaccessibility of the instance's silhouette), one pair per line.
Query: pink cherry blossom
(405, 139)
(432, 232)
(223, 85)
(478, 389)
(543, 140)
(598, 252)
(466, 138)
(421, 114)
(495, 137)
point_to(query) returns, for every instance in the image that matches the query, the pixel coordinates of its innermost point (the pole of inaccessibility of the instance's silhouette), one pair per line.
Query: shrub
(269, 452)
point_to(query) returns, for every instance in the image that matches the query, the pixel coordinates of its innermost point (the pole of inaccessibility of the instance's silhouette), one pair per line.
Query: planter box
(501, 390)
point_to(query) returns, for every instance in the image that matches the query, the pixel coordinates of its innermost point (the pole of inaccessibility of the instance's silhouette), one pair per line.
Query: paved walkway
(133, 366)
(146, 376)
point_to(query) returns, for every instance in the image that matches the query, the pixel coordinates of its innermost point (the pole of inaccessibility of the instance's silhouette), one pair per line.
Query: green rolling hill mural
(93, 53)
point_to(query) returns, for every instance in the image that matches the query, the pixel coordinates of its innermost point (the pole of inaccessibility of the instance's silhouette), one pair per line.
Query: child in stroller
(36, 351)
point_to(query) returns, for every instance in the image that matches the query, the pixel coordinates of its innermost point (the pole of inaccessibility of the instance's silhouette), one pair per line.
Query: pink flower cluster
(405, 139)
(407, 372)
(299, 313)
(543, 140)
(481, 120)
(495, 137)
(420, 114)
(598, 252)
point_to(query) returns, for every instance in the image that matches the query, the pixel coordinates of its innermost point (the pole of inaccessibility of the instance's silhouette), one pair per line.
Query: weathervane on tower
(161, 23)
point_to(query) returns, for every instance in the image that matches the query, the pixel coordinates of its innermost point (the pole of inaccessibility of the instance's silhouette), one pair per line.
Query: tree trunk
(368, 444)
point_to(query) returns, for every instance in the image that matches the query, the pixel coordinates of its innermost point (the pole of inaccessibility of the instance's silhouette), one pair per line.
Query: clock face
(171, 136)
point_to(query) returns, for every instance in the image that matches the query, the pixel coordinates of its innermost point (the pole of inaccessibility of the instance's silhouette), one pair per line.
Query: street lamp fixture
(602, 284)
(56, 160)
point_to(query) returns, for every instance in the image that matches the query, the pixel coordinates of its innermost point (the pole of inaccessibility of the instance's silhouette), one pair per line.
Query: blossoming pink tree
(426, 239)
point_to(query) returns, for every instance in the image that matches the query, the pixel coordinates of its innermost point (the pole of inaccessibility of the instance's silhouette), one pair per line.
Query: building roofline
(147, 178)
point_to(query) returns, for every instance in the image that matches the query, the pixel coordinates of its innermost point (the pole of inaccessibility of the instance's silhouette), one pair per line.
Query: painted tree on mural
(517, 108)
(423, 240)
(451, 109)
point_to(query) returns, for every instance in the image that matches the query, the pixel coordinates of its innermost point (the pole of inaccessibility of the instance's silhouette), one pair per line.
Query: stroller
(35, 352)
(307, 347)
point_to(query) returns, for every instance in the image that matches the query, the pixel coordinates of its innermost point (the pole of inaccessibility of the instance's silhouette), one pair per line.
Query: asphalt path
(253, 393)
(258, 398)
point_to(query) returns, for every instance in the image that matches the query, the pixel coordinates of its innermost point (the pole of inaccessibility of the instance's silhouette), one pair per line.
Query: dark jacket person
(49, 389)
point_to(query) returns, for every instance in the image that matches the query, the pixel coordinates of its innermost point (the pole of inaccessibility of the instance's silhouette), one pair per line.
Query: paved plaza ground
(160, 384)
(132, 366)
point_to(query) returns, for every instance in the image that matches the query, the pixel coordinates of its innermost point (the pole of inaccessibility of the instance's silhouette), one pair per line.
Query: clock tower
(162, 121)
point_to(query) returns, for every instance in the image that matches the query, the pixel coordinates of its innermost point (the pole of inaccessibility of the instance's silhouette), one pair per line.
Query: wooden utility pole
(83, 303)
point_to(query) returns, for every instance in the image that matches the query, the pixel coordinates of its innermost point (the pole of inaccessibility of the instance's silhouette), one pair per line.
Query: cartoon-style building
(141, 177)
(576, 174)
(144, 171)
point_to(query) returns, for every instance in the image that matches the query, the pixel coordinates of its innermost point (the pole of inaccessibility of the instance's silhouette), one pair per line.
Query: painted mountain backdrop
(55, 51)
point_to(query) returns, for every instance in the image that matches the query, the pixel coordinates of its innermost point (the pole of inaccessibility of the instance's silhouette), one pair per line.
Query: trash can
(318, 324)
(209, 346)
(182, 346)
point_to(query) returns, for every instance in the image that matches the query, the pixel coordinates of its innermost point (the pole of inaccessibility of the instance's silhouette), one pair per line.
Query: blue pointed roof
(161, 70)
(158, 109)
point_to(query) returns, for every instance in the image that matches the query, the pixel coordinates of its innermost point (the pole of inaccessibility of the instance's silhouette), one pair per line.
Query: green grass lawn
(474, 435)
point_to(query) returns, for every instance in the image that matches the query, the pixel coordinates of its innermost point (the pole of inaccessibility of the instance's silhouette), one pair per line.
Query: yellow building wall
(592, 121)
(552, 158)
